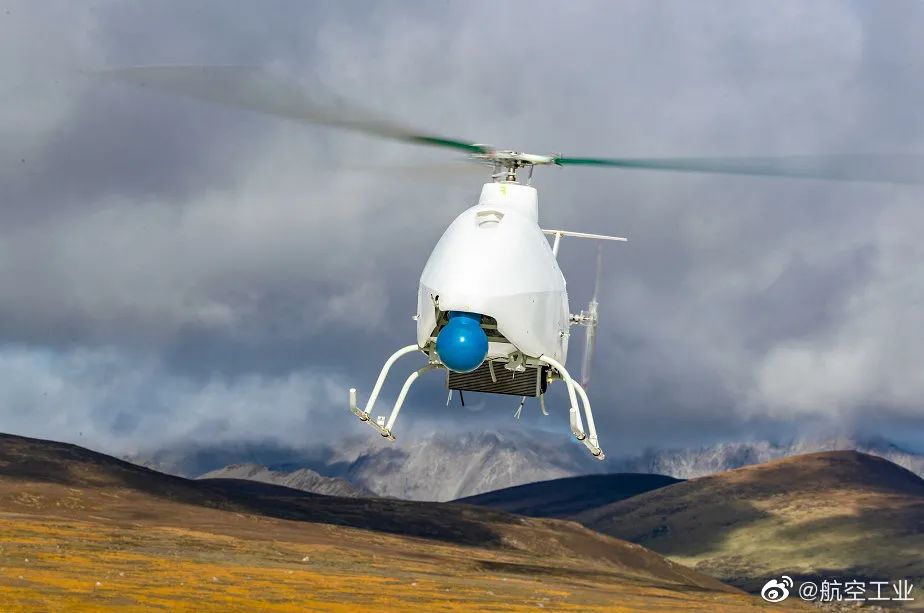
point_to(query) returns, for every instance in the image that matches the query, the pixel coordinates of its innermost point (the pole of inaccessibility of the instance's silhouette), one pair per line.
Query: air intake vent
(531, 382)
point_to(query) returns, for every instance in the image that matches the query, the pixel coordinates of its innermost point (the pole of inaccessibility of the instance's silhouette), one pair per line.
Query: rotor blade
(886, 168)
(463, 169)
(255, 89)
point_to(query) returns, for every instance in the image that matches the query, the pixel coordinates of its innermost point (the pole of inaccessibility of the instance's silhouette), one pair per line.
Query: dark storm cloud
(171, 269)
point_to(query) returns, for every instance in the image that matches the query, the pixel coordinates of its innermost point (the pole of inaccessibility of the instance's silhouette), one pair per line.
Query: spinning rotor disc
(256, 89)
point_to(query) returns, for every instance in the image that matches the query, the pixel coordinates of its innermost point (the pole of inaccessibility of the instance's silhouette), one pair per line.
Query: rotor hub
(507, 162)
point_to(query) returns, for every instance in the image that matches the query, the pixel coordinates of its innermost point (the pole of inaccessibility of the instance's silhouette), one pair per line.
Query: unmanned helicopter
(492, 304)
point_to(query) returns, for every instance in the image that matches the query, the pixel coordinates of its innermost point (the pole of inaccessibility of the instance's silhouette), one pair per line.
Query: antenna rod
(601, 237)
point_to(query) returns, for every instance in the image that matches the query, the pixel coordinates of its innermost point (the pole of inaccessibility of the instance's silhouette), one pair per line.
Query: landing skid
(589, 438)
(384, 427)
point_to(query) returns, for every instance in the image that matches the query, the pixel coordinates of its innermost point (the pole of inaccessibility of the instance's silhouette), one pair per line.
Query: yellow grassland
(55, 564)
(81, 531)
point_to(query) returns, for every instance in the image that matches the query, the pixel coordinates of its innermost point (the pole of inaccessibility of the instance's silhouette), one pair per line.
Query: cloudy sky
(172, 270)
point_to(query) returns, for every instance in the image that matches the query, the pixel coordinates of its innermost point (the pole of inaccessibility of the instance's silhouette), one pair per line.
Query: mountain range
(836, 515)
(707, 460)
(828, 515)
(303, 479)
(80, 530)
(446, 466)
(568, 496)
(71, 518)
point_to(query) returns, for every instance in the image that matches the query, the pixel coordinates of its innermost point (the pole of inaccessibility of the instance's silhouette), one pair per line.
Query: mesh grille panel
(527, 383)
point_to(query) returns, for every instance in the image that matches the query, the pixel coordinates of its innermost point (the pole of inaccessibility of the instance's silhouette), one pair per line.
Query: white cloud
(119, 402)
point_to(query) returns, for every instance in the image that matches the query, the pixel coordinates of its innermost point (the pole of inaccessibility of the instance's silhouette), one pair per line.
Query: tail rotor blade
(590, 332)
(599, 269)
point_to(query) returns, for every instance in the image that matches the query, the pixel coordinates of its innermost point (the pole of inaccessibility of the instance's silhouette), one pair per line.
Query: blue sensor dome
(462, 345)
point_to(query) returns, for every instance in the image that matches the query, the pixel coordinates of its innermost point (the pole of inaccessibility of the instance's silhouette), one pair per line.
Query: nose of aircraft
(462, 345)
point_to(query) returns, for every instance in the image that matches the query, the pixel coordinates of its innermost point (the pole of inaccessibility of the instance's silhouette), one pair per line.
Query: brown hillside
(83, 530)
(828, 515)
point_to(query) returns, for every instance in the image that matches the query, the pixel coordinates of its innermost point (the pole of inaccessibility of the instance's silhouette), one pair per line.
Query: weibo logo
(776, 591)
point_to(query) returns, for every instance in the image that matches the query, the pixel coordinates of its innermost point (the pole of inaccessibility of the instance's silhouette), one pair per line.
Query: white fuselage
(495, 260)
